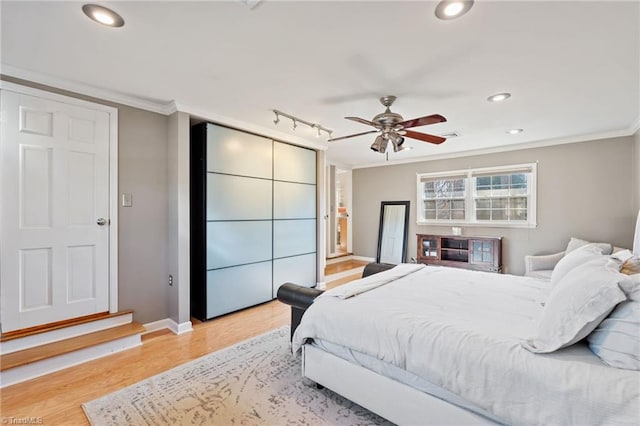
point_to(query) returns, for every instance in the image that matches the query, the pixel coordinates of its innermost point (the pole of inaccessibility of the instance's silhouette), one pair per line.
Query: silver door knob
(101, 221)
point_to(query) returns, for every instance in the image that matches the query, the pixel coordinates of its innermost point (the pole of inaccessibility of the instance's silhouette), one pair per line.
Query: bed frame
(395, 401)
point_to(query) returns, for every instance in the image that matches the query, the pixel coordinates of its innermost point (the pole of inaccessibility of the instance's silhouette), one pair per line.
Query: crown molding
(516, 147)
(87, 90)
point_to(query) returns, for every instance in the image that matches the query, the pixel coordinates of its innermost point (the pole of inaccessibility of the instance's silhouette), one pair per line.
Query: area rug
(256, 382)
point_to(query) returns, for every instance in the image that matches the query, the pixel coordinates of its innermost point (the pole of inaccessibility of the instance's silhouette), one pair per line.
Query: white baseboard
(344, 274)
(49, 365)
(364, 258)
(321, 285)
(170, 324)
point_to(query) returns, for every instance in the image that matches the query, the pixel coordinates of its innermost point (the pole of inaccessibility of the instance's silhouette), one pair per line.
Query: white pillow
(576, 305)
(616, 341)
(574, 258)
(575, 243)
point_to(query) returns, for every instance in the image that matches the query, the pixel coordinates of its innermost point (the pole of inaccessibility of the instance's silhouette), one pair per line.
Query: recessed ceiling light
(102, 15)
(450, 9)
(515, 131)
(499, 97)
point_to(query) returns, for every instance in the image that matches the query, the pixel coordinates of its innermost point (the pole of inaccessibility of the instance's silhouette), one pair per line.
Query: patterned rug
(256, 382)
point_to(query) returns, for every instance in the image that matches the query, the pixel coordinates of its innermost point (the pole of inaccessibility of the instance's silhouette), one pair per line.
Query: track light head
(277, 120)
(295, 125)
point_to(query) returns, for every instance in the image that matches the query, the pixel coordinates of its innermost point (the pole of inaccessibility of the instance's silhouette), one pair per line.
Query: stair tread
(49, 350)
(16, 334)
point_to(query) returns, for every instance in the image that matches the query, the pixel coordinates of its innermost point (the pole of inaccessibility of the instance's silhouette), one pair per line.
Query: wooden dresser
(458, 251)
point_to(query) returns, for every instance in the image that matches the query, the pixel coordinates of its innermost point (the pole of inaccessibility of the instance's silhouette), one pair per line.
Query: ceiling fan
(392, 127)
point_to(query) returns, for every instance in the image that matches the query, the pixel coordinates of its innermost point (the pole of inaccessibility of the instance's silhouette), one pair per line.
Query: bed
(423, 344)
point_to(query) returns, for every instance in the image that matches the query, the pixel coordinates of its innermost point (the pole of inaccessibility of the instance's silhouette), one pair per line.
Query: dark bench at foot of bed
(300, 298)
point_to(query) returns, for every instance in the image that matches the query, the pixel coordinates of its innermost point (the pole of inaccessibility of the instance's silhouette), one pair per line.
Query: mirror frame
(406, 227)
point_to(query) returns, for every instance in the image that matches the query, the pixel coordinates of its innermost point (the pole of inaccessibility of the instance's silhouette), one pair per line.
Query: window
(497, 196)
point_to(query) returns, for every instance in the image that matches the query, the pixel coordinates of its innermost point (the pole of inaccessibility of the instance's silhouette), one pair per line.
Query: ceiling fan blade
(422, 121)
(363, 121)
(424, 137)
(351, 136)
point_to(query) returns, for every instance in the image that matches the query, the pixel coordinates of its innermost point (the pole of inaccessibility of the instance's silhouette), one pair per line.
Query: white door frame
(113, 173)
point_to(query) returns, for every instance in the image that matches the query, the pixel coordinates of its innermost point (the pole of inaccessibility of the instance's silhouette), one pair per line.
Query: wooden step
(50, 350)
(44, 328)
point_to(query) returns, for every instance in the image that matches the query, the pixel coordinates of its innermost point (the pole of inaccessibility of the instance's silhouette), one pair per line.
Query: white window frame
(470, 190)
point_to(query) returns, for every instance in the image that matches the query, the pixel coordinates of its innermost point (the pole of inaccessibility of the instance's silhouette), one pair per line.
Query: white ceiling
(573, 68)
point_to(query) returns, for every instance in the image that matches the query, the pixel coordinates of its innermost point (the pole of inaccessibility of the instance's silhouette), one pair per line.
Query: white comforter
(461, 330)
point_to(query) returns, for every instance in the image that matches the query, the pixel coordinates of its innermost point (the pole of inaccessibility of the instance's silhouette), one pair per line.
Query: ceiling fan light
(377, 144)
(397, 147)
(451, 9)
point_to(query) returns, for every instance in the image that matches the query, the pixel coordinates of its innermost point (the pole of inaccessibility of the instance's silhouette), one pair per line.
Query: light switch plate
(127, 199)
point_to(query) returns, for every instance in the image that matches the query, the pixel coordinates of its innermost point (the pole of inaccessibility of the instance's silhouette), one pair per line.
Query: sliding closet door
(294, 215)
(239, 227)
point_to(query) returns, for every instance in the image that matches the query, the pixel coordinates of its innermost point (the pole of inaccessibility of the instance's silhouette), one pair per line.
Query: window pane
(457, 214)
(443, 214)
(483, 214)
(430, 204)
(499, 214)
(520, 203)
(483, 204)
(499, 203)
(429, 214)
(518, 214)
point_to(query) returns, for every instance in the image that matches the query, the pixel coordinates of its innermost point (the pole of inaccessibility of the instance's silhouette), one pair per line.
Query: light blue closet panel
(238, 153)
(293, 164)
(237, 243)
(294, 200)
(238, 198)
(300, 270)
(293, 237)
(230, 289)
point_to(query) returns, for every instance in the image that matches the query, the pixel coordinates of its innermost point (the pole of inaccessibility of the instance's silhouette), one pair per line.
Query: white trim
(113, 172)
(169, 324)
(344, 274)
(49, 365)
(364, 258)
(333, 260)
(88, 90)
(113, 211)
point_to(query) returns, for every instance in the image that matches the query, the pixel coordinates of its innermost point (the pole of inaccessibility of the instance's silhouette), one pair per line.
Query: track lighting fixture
(296, 120)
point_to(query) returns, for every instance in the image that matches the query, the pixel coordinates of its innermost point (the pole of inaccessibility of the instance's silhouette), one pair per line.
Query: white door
(54, 255)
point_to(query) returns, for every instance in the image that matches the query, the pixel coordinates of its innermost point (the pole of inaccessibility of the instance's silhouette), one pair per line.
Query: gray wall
(143, 234)
(584, 190)
(636, 178)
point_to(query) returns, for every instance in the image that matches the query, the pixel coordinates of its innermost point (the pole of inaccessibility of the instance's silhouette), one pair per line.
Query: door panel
(54, 185)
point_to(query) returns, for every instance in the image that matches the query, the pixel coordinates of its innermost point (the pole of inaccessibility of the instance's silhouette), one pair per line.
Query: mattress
(461, 331)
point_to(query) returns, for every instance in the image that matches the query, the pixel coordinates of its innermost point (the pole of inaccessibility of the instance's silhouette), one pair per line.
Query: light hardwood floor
(57, 397)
